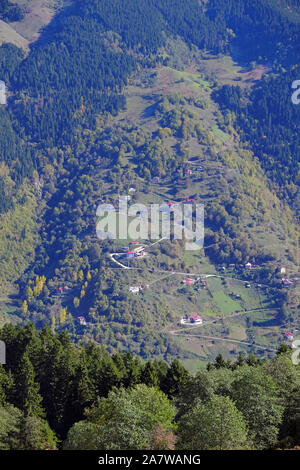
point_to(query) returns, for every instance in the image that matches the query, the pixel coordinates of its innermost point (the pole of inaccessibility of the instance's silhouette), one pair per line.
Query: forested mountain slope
(114, 93)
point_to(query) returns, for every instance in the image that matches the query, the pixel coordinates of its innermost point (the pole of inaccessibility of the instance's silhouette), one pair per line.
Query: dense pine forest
(10, 11)
(54, 394)
(266, 112)
(81, 64)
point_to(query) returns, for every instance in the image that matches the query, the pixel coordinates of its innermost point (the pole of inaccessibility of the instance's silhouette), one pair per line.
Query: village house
(289, 335)
(194, 319)
(188, 280)
(82, 321)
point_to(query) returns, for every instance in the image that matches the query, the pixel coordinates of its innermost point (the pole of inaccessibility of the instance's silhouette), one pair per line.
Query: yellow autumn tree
(29, 294)
(25, 307)
(53, 324)
(62, 316)
(38, 285)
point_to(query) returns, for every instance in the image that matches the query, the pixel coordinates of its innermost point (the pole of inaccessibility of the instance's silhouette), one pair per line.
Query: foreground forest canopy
(68, 143)
(54, 394)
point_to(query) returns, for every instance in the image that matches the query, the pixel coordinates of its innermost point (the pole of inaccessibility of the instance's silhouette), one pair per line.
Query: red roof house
(195, 319)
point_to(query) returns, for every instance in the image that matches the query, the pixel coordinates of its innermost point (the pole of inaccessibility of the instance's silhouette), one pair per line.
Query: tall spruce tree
(26, 390)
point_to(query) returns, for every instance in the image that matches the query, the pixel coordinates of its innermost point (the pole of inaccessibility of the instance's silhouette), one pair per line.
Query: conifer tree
(176, 376)
(149, 375)
(26, 390)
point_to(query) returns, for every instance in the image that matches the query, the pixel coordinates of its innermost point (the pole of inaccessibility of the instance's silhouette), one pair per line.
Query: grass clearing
(9, 34)
(38, 14)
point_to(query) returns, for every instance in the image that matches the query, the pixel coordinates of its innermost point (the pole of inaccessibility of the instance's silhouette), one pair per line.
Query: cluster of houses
(247, 266)
(136, 250)
(62, 289)
(193, 319)
(188, 172)
(250, 266)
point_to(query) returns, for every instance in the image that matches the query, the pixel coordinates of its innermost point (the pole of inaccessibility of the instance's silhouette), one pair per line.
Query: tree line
(55, 394)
